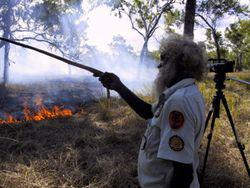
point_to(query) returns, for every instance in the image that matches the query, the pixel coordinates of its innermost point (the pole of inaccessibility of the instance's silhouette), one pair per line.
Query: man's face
(165, 76)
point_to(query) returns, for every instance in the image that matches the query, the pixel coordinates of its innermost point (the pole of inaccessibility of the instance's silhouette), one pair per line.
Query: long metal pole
(96, 72)
(238, 80)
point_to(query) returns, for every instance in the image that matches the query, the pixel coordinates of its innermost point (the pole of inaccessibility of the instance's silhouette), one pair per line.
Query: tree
(211, 11)
(239, 36)
(144, 17)
(41, 21)
(6, 22)
(121, 53)
(119, 46)
(189, 19)
(171, 19)
(211, 44)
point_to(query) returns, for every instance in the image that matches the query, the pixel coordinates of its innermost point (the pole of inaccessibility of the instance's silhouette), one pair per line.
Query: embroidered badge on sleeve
(176, 143)
(176, 120)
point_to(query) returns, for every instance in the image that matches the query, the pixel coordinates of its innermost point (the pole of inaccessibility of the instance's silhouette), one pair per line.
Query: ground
(98, 146)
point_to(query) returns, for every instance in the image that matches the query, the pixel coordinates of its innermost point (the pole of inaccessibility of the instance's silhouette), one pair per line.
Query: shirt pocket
(150, 141)
(145, 137)
(143, 142)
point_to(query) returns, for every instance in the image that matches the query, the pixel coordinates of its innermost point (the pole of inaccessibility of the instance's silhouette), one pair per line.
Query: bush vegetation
(98, 146)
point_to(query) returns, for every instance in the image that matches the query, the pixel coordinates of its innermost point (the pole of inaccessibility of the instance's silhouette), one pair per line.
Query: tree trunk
(7, 34)
(217, 46)
(240, 62)
(189, 19)
(6, 63)
(3, 94)
(237, 66)
(144, 52)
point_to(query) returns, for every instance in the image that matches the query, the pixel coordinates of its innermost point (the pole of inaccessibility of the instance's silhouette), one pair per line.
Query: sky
(103, 25)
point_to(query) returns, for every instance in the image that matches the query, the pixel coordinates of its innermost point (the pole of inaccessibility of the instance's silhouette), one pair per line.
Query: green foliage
(58, 20)
(143, 14)
(238, 35)
(173, 18)
(156, 55)
(218, 8)
(49, 21)
(211, 11)
(119, 45)
(211, 44)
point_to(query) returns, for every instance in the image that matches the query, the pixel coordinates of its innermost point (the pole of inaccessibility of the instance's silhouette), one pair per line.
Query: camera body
(221, 66)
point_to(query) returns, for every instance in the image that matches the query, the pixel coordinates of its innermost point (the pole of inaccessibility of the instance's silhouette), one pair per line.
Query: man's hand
(111, 81)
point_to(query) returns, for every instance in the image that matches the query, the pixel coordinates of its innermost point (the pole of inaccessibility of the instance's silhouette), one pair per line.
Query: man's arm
(111, 81)
(182, 176)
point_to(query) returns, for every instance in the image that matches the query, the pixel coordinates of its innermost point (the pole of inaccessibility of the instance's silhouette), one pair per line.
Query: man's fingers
(96, 75)
(106, 77)
(106, 85)
(109, 80)
(105, 80)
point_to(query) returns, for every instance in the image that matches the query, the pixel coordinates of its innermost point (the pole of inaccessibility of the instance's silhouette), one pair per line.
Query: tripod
(215, 113)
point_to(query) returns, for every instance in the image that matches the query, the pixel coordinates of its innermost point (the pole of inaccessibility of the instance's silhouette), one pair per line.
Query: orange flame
(9, 119)
(42, 113)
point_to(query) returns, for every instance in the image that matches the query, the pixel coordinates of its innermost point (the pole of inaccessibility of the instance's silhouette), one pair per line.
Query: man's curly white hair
(180, 58)
(185, 55)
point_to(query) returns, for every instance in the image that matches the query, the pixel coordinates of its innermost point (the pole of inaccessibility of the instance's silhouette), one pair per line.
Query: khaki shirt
(167, 139)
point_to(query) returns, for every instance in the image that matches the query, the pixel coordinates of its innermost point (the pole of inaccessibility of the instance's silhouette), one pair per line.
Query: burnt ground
(68, 94)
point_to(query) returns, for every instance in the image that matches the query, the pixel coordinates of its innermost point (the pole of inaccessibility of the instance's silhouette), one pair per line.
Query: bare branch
(133, 26)
(152, 21)
(156, 19)
(43, 40)
(150, 35)
(144, 21)
(202, 17)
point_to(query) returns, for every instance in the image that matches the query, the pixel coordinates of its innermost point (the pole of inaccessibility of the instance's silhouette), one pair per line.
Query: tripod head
(220, 67)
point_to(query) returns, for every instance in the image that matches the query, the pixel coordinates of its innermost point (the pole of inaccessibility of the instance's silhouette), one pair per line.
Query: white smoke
(100, 30)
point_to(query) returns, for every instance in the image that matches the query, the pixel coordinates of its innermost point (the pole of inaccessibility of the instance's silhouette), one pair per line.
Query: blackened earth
(70, 94)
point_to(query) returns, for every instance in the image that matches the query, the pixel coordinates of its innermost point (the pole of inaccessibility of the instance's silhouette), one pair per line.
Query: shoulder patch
(176, 120)
(176, 143)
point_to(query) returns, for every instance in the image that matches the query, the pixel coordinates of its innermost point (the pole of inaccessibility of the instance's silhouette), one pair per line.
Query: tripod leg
(208, 117)
(240, 146)
(209, 137)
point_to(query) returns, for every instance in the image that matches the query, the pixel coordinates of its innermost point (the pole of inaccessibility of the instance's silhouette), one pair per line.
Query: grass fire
(41, 113)
(124, 94)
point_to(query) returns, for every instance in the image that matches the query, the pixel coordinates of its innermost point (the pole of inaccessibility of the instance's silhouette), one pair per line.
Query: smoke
(109, 52)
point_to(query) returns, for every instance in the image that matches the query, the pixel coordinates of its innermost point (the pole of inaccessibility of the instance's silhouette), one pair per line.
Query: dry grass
(87, 150)
(98, 146)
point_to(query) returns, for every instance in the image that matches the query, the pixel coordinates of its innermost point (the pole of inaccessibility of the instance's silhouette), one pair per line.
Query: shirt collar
(181, 84)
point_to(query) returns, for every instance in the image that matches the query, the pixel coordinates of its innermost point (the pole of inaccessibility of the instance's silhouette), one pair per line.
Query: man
(168, 154)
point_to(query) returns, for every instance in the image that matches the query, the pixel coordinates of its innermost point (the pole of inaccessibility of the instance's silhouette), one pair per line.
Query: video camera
(221, 66)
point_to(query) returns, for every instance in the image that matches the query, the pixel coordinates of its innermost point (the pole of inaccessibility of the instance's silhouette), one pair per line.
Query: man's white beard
(163, 80)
